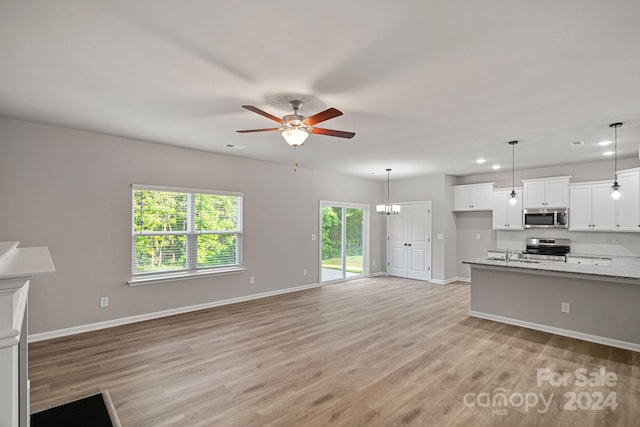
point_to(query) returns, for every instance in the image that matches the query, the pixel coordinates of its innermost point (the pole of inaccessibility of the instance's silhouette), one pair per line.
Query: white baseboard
(158, 314)
(447, 281)
(377, 274)
(558, 331)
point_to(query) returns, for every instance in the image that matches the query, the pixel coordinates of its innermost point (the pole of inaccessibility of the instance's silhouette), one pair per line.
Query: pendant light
(616, 189)
(388, 209)
(513, 197)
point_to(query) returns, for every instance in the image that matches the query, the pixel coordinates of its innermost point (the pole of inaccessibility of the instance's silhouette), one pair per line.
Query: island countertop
(622, 268)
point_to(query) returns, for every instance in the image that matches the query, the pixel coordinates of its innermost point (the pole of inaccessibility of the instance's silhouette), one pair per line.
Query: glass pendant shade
(616, 191)
(388, 209)
(295, 137)
(513, 198)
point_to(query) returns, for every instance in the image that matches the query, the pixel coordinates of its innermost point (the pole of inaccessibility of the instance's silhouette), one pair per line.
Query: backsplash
(596, 243)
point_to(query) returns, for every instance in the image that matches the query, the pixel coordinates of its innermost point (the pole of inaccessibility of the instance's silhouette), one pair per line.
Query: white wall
(71, 191)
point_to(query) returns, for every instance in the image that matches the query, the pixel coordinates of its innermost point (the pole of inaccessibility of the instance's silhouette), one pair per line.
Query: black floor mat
(88, 412)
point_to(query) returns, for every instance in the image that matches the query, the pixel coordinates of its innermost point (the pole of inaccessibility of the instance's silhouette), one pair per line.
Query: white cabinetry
(473, 197)
(546, 192)
(628, 207)
(592, 208)
(505, 215)
(409, 242)
(17, 267)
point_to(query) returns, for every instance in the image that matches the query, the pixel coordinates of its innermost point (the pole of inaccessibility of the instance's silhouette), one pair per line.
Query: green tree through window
(176, 230)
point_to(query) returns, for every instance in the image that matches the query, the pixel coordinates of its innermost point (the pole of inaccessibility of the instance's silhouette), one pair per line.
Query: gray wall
(71, 191)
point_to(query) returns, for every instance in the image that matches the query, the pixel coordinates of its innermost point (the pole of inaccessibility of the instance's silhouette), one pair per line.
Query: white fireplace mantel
(17, 267)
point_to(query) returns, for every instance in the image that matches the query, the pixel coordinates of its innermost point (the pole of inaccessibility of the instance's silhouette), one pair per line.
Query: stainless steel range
(547, 249)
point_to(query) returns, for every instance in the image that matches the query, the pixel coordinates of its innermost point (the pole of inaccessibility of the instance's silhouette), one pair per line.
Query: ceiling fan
(296, 128)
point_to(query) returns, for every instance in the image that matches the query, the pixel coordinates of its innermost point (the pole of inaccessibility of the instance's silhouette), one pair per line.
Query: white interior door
(409, 242)
(397, 245)
(419, 242)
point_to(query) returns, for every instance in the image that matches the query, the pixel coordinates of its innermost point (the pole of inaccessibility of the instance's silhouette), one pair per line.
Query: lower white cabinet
(591, 207)
(507, 216)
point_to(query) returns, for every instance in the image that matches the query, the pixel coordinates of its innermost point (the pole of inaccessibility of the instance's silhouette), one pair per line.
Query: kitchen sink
(526, 261)
(522, 260)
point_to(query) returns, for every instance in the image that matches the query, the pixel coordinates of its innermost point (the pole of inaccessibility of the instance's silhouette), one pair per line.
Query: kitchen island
(603, 300)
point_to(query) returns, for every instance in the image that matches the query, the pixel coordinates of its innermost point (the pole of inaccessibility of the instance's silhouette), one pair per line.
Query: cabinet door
(603, 208)
(534, 193)
(580, 209)
(500, 219)
(628, 208)
(481, 198)
(514, 212)
(557, 193)
(461, 196)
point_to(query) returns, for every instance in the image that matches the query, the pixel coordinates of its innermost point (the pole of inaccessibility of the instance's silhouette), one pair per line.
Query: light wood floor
(381, 351)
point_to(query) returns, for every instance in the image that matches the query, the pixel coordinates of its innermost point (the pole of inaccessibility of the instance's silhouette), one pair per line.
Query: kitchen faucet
(509, 253)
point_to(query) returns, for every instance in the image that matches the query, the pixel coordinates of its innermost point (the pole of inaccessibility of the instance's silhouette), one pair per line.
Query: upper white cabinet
(546, 192)
(505, 215)
(592, 208)
(628, 207)
(473, 197)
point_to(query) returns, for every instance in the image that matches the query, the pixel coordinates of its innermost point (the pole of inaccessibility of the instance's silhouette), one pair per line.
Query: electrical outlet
(304, 272)
(104, 302)
(252, 280)
(374, 262)
(565, 307)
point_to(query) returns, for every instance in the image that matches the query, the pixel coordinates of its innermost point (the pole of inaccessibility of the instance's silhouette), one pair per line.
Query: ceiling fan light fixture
(295, 137)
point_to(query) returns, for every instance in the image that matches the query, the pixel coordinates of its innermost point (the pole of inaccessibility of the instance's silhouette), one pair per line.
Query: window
(184, 232)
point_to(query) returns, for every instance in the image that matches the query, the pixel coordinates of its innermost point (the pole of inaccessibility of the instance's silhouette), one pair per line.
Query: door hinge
(428, 239)
(428, 268)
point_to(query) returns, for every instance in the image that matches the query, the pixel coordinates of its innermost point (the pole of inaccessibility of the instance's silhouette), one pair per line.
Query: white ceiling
(428, 86)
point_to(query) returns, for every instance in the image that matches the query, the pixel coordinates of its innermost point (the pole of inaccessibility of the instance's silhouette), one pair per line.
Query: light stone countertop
(620, 267)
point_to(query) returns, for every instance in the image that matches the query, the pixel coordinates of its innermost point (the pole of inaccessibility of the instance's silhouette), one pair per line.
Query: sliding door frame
(365, 239)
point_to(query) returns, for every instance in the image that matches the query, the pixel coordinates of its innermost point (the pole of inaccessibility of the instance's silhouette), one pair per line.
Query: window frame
(191, 234)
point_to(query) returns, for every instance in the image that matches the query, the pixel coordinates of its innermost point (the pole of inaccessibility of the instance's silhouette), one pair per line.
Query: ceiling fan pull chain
(295, 165)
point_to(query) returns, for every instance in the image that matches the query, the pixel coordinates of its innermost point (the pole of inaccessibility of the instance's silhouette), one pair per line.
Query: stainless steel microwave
(546, 218)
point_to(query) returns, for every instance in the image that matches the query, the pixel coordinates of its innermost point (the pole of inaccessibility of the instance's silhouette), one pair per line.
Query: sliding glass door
(343, 241)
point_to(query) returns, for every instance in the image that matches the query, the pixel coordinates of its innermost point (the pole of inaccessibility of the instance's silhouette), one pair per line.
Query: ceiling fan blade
(331, 132)
(263, 113)
(257, 130)
(327, 114)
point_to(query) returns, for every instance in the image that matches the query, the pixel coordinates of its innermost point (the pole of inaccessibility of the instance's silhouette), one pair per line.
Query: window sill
(184, 276)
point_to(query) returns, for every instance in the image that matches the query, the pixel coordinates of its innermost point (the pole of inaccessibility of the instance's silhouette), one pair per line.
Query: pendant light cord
(388, 188)
(615, 152)
(513, 167)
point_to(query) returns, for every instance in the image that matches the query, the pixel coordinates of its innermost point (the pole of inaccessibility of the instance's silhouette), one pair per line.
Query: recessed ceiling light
(608, 153)
(604, 143)
(480, 161)
(495, 167)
